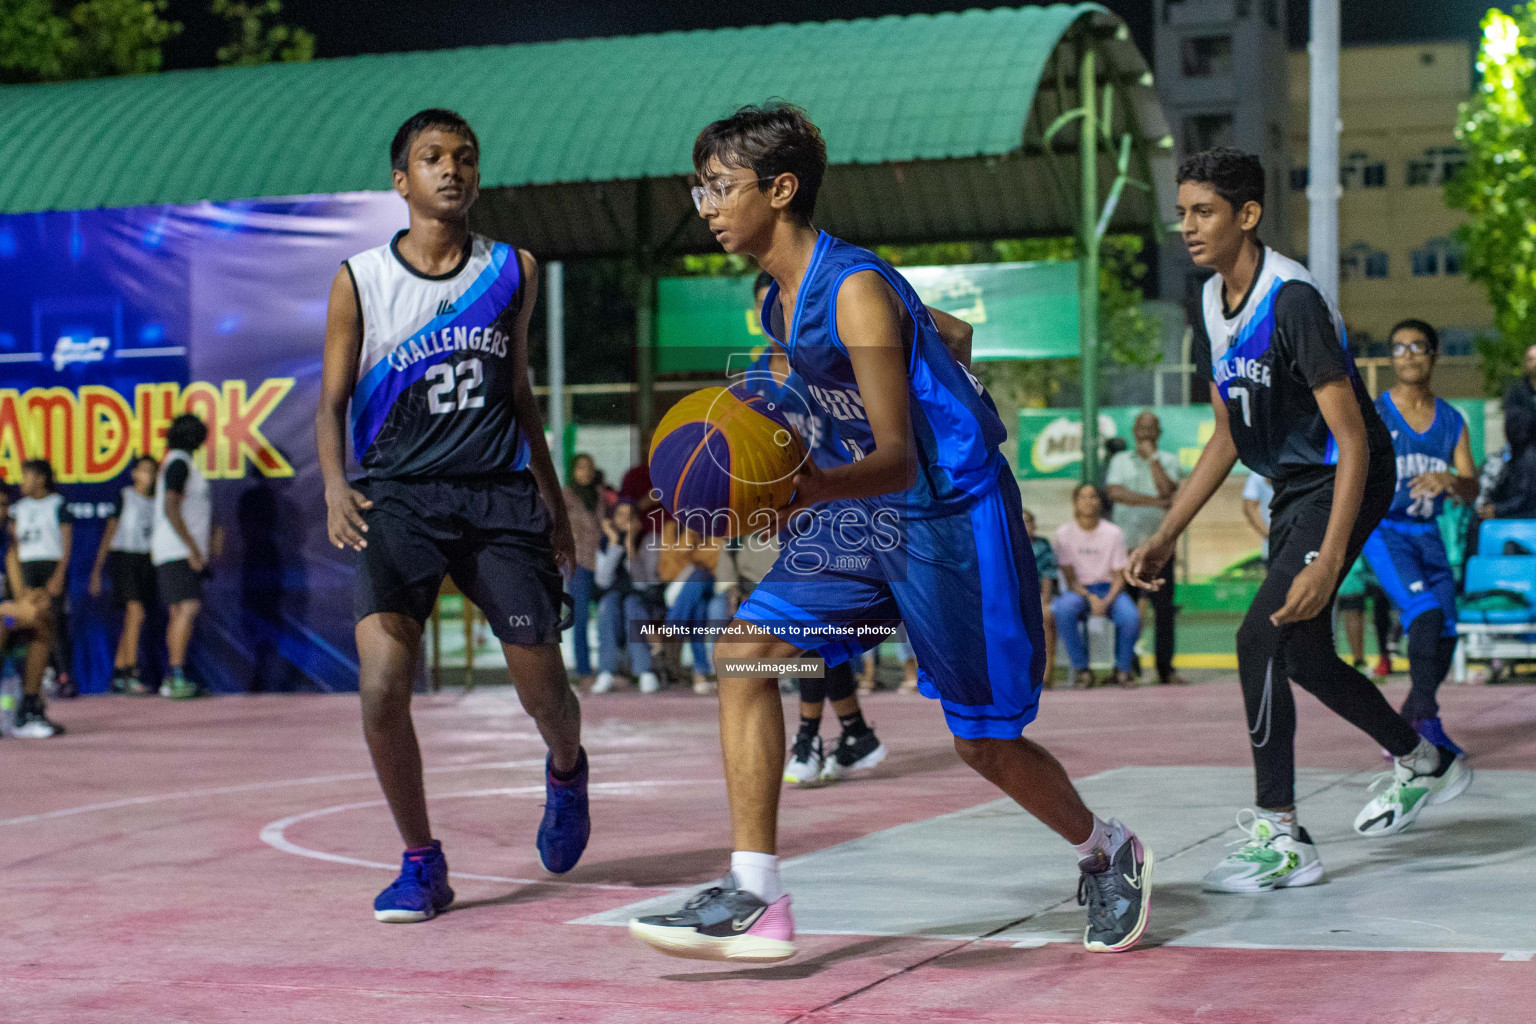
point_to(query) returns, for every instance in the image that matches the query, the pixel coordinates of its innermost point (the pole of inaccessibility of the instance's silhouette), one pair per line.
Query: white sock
(1422, 759)
(1106, 836)
(758, 873)
(1283, 821)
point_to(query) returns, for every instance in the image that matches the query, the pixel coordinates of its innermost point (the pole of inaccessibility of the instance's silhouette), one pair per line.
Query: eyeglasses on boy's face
(1403, 348)
(716, 193)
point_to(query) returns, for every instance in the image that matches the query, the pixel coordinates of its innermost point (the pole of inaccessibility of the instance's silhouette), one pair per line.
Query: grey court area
(1453, 882)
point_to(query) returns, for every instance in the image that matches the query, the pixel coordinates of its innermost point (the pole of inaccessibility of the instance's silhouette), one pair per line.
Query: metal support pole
(645, 315)
(645, 352)
(554, 311)
(1323, 150)
(1088, 266)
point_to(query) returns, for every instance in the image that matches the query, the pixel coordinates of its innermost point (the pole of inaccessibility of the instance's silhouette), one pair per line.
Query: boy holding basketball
(427, 340)
(923, 524)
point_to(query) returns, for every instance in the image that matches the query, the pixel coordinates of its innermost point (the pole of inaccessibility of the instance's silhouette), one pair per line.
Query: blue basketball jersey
(791, 400)
(436, 374)
(1430, 452)
(954, 423)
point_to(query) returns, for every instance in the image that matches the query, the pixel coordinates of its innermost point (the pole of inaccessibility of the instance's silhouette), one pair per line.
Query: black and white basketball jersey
(135, 522)
(38, 521)
(436, 372)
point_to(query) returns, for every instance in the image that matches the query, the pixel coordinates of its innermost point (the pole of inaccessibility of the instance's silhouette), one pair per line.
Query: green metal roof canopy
(935, 128)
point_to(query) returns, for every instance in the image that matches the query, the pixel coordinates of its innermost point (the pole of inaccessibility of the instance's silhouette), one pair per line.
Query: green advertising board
(1051, 440)
(1018, 310)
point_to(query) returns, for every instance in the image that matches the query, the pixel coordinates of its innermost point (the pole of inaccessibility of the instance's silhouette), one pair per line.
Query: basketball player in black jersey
(1289, 402)
(427, 340)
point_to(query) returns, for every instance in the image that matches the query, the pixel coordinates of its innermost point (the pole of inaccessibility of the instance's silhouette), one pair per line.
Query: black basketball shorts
(491, 536)
(133, 576)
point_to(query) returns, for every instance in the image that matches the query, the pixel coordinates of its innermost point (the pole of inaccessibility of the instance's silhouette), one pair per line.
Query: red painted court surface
(216, 861)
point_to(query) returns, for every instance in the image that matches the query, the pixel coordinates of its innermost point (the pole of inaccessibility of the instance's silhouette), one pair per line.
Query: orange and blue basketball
(722, 454)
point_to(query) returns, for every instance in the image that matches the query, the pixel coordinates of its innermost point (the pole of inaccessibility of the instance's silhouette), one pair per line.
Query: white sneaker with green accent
(1406, 795)
(1267, 858)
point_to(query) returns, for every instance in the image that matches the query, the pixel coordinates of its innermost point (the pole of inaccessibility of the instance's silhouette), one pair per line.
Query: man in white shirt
(1142, 481)
(1258, 492)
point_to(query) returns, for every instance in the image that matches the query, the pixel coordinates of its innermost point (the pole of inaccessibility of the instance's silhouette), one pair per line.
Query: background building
(1221, 68)
(1397, 252)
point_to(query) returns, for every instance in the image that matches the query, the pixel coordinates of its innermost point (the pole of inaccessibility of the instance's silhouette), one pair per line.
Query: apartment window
(1301, 177)
(1207, 131)
(1206, 56)
(1362, 260)
(1437, 166)
(1437, 257)
(1358, 170)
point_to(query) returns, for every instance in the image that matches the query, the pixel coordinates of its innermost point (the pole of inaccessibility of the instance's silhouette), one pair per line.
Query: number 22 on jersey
(440, 396)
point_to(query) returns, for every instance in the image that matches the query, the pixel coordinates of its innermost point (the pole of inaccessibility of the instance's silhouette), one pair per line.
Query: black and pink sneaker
(722, 923)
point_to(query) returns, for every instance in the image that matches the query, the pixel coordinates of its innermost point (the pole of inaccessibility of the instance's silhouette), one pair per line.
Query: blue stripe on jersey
(1254, 340)
(383, 383)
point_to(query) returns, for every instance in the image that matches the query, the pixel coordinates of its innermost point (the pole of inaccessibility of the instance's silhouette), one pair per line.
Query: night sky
(347, 27)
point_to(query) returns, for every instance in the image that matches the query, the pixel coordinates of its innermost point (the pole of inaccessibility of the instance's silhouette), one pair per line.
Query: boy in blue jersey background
(1407, 554)
(923, 524)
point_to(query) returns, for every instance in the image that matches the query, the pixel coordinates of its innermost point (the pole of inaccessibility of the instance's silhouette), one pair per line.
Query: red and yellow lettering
(242, 427)
(108, 432)
(13, 443)
(155, 406)
(50, 413)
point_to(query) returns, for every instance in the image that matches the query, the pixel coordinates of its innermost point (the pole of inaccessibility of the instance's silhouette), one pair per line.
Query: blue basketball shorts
(1410, 563)
(964, 584)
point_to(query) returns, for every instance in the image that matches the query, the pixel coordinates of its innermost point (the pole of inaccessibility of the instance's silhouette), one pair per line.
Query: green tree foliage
(257, 37)
(45, 41)
(1498, 187)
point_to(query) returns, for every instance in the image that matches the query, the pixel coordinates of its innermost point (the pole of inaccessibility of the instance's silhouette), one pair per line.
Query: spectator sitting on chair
(1047, 568)
(1258, 492)
(690, 560)
(583, 504)
(620, 602)
(1514, 495)
(1142, 482)
(1092, 553)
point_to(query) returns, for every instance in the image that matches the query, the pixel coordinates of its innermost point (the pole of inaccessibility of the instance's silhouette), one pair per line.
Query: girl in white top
(179, 544)
(44, 532)
(125, 552)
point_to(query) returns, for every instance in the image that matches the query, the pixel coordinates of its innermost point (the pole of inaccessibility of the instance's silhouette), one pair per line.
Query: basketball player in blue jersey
(427, 340)
(1407, 554)
(921, 524)
(1290, 404)
(858, 748)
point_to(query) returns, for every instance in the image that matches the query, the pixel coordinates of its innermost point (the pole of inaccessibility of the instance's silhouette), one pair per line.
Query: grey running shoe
(722, 923)
(1118, 894)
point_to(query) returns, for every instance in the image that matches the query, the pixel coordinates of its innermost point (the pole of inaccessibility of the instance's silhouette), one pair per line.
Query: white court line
(247, 787)
(273, 834)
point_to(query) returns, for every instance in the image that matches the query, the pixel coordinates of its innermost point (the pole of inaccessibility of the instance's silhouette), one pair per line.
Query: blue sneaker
(1432, 730)
(420, 892)
(566, 826)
